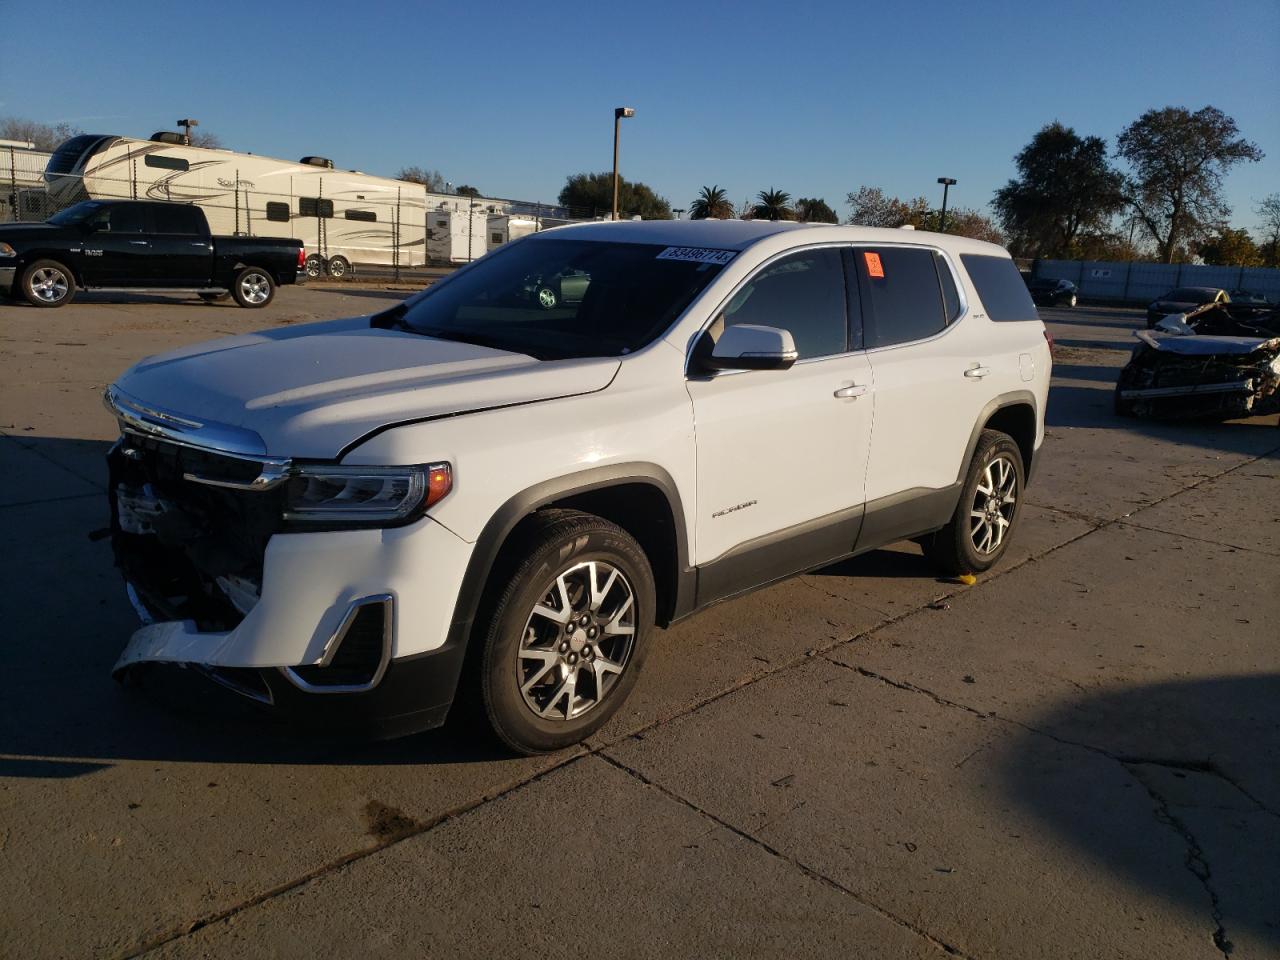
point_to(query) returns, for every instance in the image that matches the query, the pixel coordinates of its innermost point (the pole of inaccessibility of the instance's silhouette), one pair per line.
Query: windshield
(556, 299)
(76, 214)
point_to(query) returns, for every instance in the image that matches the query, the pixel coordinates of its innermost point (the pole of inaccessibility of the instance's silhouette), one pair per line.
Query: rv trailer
(22, 181)
(456, 236)
(343, 216)
(503, 228)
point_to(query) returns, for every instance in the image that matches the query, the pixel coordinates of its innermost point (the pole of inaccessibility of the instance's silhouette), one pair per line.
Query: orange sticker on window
(874, 267)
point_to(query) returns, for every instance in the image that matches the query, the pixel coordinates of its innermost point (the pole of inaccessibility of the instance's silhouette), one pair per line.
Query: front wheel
(988, 511)
(547, 298)
(1071, 301)
(567, 633)
(47, 283)
(253, 287)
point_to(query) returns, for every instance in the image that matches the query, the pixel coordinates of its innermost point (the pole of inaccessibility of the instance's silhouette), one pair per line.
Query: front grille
(194, 533)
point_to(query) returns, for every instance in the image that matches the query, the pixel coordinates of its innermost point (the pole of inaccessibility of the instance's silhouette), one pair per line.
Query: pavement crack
(912, 688)
(796, 864)
(1196, 861)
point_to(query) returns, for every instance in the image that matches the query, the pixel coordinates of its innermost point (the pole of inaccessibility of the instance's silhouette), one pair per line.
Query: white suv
(487, 489)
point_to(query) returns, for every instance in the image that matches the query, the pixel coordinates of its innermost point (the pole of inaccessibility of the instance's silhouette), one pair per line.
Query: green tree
(773, 204)
(591, 195)
(431, 179)
(1177, 161)
(44, 136)
(1065, 187)
(961, 222)
(815, 210)
(1230, 248)
(712, 203)
(1269, 245)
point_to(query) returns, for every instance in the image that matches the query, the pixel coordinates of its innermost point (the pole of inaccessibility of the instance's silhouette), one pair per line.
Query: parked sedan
(1182, 300)
(1047, 292)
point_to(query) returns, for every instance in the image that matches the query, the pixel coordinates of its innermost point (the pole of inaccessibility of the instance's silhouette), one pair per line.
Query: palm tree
(712, 204)
(773, 204)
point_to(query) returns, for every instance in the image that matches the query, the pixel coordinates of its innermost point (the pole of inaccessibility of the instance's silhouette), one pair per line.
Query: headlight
(321, 495)
(7, 251)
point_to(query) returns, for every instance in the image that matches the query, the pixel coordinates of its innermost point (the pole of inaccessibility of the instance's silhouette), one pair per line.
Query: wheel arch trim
(1014, 398)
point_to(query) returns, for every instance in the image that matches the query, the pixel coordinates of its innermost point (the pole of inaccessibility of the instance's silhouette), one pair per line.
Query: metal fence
(1135, 282)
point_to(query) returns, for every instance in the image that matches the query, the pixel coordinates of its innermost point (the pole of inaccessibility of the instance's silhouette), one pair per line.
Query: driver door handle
(851, 392)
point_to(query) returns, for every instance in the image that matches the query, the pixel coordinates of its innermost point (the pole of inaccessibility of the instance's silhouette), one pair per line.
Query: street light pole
(946, 182)
(618, 114)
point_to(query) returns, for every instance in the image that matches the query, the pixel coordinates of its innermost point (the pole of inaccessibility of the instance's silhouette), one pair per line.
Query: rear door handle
(977, 372)
(851, 392)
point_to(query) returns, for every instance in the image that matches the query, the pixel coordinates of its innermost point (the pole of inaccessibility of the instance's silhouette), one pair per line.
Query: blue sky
(815, 98)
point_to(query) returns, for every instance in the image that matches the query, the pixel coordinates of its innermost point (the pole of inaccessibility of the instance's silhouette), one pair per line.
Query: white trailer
(342, 217)
(503, 228)
(457, 236)
(22, 181)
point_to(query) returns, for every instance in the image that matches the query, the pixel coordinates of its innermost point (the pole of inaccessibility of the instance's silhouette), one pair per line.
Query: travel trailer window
(166, 163)
(314, 207)
(367, 215)
(279, 212)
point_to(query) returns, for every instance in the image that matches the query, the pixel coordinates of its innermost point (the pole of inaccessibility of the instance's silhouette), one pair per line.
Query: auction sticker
(697, 254)
(874, 267)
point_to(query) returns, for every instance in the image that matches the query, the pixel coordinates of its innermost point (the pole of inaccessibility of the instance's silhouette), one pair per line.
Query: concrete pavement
(1077, 756)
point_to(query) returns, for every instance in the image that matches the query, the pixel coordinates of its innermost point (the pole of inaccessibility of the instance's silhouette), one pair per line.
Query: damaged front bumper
(343, 628)
(1171, 376)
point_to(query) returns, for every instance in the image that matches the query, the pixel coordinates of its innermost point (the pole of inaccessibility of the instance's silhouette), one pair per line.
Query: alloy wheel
(577, 641)
(994, 503)
(49, 284)
(255, 287)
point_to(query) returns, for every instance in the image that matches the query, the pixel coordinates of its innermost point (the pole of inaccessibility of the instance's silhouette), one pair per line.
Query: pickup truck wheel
(568, 632)
(988, 511)
(47, 283)
(315, 266)
(253, 287)
(339, 267)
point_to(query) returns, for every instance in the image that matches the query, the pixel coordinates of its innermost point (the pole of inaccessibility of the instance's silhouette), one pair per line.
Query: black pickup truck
(138, 245)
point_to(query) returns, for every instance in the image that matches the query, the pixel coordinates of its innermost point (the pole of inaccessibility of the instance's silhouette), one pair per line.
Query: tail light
(302, 257)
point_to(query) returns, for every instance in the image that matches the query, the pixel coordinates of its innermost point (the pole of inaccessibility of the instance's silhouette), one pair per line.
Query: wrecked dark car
(1215, 362)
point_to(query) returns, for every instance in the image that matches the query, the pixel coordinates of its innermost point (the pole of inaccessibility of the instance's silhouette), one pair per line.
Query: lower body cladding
(345, 629)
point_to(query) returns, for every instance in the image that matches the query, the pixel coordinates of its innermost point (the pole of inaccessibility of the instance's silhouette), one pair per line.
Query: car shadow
(1201, 756)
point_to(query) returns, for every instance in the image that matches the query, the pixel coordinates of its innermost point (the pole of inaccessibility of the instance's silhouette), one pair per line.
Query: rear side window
(802, 293)
(1001, 288)
(903, 299)
(178, 218)
(279, 212)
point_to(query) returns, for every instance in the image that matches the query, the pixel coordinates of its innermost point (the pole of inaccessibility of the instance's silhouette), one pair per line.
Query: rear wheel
(988, 511)
(547, 298)
(567, 634)
(47, 283)
(1071, 301)
(253, 287)
(339, 267)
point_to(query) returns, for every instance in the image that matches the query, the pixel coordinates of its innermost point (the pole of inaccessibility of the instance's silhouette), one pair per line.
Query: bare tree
(1178, 160)
(44, 136)
(431, 179)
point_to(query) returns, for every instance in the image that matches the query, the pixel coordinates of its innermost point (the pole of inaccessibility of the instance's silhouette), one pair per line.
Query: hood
(25, 228)
(313, 390)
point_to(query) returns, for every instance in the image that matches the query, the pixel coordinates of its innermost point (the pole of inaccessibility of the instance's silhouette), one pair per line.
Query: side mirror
(751, 347)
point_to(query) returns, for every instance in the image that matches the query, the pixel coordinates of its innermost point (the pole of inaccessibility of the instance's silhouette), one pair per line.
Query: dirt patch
(388, 823)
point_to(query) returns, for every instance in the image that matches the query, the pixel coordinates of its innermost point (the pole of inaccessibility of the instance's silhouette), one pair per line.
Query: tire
(315, 266)
(1071, 301)
(547, 298)
(47, 283)
(962, 546)
(253, 287)
(533, 644)
(212, 297)
(338, 267)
